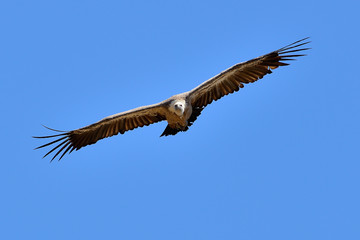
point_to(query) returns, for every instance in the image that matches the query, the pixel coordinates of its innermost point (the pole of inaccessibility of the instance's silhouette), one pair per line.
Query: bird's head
(179, 107)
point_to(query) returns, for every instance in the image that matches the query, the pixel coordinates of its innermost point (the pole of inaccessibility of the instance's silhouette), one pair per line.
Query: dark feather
(170, 131)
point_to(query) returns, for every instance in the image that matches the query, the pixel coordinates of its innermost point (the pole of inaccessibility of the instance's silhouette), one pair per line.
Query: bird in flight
(180, 111)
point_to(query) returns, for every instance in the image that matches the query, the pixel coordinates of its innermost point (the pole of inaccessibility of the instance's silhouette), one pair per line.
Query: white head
(178, 107)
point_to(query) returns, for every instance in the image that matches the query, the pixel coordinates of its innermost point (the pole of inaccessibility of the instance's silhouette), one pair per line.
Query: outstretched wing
(107, 127)
(234, 78)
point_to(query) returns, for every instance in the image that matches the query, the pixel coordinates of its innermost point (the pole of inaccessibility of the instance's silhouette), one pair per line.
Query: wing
(234, 78)
(107, 127)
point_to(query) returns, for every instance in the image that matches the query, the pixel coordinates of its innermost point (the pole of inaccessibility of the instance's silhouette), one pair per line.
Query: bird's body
(180, 111)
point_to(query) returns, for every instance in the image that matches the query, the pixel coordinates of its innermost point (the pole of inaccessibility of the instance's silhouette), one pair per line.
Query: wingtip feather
(52, 129)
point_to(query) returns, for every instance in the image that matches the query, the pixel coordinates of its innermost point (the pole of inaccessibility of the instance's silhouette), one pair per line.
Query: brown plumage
(180, 111)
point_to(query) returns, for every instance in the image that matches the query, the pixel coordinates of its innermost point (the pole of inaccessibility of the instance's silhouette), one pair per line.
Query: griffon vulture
(180, 111)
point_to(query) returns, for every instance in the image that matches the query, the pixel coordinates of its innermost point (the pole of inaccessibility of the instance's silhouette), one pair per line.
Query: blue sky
(277, 160)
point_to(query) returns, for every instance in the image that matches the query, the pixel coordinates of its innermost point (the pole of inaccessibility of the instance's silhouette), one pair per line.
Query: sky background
(277, 160)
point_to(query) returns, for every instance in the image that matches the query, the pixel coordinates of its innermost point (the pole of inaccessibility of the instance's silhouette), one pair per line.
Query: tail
(172, 131)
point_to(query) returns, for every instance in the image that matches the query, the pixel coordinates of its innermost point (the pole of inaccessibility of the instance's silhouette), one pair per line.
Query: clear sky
(277, 160)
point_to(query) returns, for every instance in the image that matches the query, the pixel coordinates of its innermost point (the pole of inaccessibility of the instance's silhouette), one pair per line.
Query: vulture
(180, 111)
